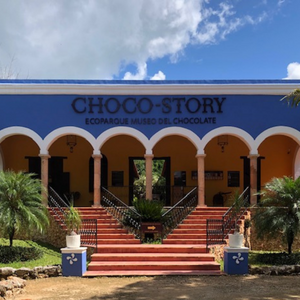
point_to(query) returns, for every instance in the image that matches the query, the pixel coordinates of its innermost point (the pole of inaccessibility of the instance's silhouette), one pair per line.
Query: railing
(88, 233)
(55, 203)
(218, 229)
(88, 229)
(122, 212)
(176, 214)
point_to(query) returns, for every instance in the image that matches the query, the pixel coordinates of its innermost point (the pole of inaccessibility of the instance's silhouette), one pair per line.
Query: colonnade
(148, 163)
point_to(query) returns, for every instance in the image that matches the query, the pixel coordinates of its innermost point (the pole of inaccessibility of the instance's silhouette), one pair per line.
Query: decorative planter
(236, 260)
(236, 240)
(73, 241)
(73, 261)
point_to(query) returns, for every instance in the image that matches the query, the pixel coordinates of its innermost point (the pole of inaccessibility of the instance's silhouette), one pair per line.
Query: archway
(69, 168)
(17, 153)
(119, 149)
(180, 169)
(224, 168)
(280, 154)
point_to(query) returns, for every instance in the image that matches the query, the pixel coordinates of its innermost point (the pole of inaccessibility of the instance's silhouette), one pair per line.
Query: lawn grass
(52, 255)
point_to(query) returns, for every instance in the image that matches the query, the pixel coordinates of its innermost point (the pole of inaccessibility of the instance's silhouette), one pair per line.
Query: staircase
(110, 231)
(182, 253)
(149, 259)
(193, 229)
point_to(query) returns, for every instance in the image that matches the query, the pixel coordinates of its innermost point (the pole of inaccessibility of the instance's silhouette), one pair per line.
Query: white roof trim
(174, 89)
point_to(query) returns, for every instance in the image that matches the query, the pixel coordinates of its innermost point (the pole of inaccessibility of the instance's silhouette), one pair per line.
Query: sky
(150, 39)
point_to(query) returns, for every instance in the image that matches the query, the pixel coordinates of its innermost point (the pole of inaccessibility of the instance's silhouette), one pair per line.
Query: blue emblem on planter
(238, 258)
(72, 259)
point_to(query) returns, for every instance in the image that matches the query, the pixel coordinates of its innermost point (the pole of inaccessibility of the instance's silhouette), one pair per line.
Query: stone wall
(54, 235)
(26, 273)
(12, 281)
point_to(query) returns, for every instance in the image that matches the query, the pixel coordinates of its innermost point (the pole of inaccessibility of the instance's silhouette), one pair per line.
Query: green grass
(52, 255)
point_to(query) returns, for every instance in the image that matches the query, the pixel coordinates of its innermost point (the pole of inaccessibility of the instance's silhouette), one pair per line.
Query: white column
(149, 159)
(201, 179)
(45, 176)
(97, 179)
(253, 178)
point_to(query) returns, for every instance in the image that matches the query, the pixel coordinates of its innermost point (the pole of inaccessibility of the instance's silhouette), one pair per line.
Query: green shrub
(150, 210)
(274, 258)
(16, 254)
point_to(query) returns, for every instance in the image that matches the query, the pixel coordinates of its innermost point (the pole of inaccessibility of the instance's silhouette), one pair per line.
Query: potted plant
(151, 212)
(73, 223)
(236, 239)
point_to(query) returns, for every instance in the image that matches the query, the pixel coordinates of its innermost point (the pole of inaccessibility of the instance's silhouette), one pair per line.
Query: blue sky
(150, 39)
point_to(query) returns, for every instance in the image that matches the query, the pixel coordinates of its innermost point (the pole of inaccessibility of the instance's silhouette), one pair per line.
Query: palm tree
(21, 204)
(293, 98)
(280, 210)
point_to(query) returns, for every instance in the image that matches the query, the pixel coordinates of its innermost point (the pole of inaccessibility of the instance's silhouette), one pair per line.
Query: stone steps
(183, 252)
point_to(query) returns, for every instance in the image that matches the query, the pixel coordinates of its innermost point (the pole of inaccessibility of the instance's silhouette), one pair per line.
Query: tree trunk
(290, 240)
(11, 236)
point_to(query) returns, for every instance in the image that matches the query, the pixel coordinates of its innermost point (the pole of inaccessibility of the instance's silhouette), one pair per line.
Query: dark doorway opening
(57, 178)
(161, 189)
(246, 167)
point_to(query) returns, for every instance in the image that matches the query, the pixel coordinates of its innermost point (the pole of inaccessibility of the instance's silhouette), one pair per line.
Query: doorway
(160, 179)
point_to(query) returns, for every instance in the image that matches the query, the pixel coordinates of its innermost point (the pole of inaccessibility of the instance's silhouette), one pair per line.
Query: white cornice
(161, 89)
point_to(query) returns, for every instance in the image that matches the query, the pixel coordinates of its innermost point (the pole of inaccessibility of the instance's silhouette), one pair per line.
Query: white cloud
(293, 71)
(90, 39)
(141, 73)
(159, 76)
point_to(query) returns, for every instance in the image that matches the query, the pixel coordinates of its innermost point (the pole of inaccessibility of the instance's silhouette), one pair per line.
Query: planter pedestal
(73, 261)
(236, 260)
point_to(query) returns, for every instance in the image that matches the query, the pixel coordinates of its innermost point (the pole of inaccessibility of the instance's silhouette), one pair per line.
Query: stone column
(201, 179)
(253, 178)
(44, 177)
(149, 158)
(97, 179)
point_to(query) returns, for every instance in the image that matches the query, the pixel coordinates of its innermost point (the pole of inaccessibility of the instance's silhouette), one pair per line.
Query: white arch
(57, 133)
(190, 135)
(122, 130)
(297, 164)
(240, 133)
(18, 130)
(278, 130)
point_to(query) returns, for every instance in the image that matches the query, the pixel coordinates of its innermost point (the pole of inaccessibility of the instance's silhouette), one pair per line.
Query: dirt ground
(163, 287)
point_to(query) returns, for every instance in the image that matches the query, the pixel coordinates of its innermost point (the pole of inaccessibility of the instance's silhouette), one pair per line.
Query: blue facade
(146, 113)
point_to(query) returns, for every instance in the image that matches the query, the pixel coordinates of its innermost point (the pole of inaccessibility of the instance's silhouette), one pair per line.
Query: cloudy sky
(150, 39)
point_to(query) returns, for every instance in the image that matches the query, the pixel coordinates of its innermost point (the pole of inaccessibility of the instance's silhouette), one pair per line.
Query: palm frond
(292, 98)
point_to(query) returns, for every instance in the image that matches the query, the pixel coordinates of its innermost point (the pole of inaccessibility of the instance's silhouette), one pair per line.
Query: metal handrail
(88, 229)
(218, 229)
(130, 218)
(53, 204)
(55, 196)
(177, 213)
(88, 233)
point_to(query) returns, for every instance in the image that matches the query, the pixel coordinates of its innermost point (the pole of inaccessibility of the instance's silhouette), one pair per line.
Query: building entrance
(160, 179)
